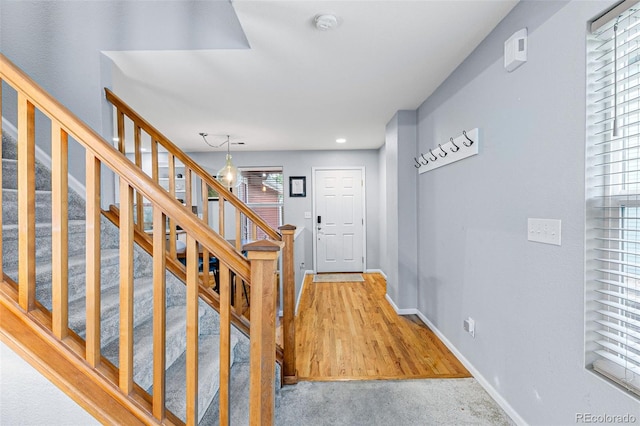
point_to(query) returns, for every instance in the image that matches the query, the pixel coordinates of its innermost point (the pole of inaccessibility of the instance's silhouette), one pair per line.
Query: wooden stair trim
(176, 268)
(123, 167)
(191, 165)
(61, 362)
(30, 329)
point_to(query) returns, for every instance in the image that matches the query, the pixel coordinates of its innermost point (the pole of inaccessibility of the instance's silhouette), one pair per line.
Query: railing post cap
(290, 228)
(262, 245)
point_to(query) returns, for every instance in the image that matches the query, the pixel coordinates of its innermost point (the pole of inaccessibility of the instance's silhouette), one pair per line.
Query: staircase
(143, 283)
(108, 313)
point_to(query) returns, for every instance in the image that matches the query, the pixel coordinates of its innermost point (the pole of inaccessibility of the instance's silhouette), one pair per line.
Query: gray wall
(475, 260)
(401, 211)
(391, 208)
(59, 44)
(382, 209)
(299, 163)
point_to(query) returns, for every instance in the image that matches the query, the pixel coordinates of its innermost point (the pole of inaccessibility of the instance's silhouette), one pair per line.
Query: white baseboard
(476, 374)
(399, 311)
(45, 159)
(9, 128)
(302, 289)
(376, 271)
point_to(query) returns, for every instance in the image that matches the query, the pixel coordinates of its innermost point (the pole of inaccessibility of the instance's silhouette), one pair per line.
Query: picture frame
(297, 186)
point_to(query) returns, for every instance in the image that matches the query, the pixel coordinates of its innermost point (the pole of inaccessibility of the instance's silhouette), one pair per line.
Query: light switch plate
(307, 215)
(547, 231)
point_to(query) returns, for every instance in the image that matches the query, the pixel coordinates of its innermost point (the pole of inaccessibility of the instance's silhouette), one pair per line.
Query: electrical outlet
(469, 325)
(547, 231)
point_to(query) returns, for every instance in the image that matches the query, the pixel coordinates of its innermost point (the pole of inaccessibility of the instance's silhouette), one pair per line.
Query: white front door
(339, 220)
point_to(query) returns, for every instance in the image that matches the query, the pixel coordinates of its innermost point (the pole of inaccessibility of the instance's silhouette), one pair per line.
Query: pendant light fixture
(228, 174)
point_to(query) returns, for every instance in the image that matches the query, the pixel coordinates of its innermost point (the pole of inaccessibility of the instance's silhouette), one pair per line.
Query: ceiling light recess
(325, 22)
(341, 140)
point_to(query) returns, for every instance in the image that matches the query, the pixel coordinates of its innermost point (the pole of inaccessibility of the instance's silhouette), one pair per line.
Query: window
(262, 190)
(613, 200)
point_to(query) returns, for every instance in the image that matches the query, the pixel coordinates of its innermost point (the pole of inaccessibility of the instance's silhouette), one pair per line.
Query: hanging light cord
(204, 137)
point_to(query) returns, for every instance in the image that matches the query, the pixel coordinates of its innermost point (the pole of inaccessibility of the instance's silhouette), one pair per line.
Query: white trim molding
(304, 279)
(376, 271)
(475, 373)
(411, 311)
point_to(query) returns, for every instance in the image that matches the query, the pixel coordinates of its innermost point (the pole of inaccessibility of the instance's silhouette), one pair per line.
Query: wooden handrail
(175, 154)
(134, 186)
(191, 165)
(124, 168)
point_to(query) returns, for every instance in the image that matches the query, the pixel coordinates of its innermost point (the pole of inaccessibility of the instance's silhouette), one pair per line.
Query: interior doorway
(339, 231)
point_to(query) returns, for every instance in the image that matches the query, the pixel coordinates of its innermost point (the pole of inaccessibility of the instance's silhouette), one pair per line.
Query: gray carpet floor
(377, 402)
(389, 402)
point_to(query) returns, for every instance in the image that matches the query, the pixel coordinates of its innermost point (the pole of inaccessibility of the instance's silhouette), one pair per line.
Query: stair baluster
(159, 312)
(26, 202)
(254, 223)
(93, 260)
(59, 230)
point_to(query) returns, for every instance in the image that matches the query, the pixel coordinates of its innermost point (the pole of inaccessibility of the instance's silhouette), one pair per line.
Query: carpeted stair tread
(9, 146)
(110, 301)
(10, 175)
(110, 310)
(76, 241)
(75, 206)
(73, 223)
(143, 345)
(238, 393)
(109, 273)
(208, 376)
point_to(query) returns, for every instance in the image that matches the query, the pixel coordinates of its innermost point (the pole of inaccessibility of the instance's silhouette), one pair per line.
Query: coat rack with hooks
(453, 150)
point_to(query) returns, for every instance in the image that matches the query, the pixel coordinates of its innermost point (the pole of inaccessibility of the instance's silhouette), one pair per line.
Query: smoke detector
(325, 22)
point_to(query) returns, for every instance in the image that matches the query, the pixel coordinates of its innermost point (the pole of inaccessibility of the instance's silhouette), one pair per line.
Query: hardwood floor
(348, 331)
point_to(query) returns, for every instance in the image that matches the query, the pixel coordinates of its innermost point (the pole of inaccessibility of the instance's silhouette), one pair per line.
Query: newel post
(289, 306)
(263, 256)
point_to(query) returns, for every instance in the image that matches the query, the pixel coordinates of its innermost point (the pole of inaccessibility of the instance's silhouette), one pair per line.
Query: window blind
(262, 190)
(613, 199)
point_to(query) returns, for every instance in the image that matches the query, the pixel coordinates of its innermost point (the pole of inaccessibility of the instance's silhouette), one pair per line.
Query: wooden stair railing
(83, 357)
(144, 241)
(197, 179)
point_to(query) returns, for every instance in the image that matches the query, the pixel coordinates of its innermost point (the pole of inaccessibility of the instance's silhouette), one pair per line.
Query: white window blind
(262, 190)
(613, 200)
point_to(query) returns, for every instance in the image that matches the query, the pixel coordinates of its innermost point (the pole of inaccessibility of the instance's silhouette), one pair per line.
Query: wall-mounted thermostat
(515, 50)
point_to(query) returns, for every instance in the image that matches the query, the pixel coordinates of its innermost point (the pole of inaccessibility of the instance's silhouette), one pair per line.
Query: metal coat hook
(443, 151)
(454, 144)
(463, 146)
(465, 135)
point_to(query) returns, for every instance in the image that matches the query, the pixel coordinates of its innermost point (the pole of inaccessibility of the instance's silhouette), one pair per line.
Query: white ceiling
(298, 88)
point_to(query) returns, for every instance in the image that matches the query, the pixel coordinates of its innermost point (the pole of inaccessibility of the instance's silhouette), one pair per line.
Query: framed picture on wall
(297, 186)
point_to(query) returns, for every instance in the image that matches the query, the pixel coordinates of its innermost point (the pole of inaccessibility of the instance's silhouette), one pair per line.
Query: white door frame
(314, 226)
